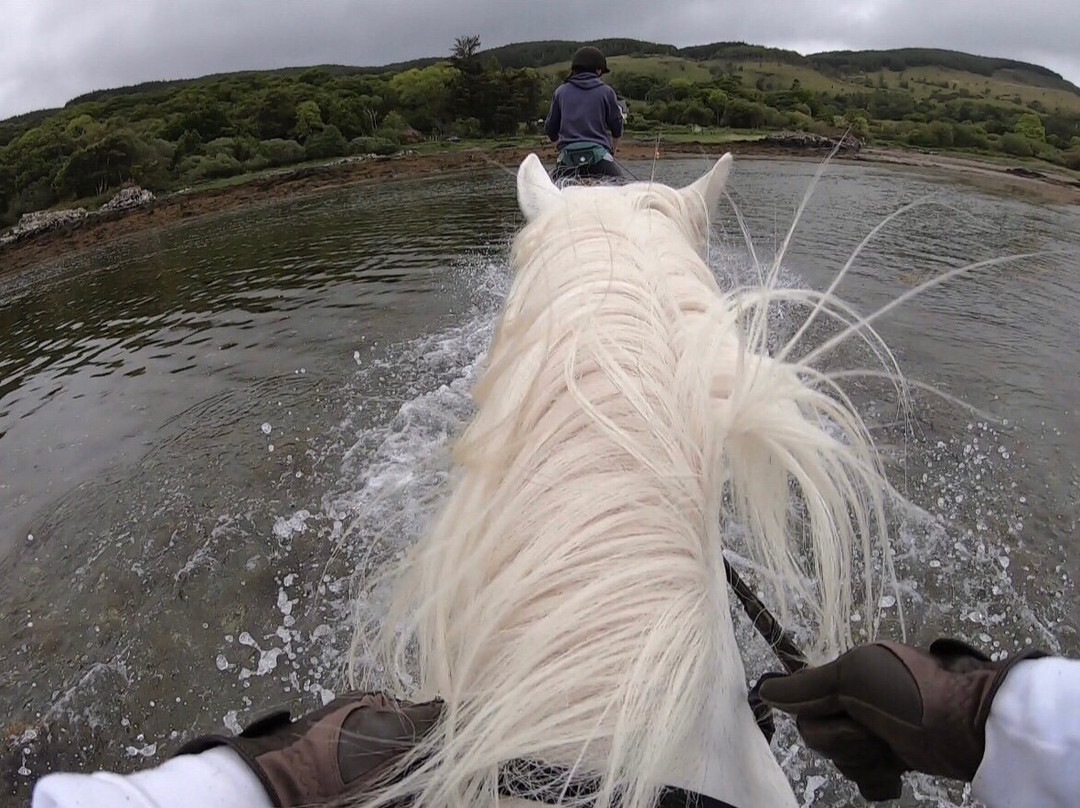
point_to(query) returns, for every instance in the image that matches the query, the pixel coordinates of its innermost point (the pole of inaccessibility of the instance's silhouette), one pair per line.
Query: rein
(778, 639)
(767, 626)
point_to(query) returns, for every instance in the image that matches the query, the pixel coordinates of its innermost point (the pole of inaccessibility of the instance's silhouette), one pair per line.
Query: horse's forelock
(627, 210)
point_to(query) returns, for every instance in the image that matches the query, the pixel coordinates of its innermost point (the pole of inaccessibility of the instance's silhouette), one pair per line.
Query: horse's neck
(730, 759)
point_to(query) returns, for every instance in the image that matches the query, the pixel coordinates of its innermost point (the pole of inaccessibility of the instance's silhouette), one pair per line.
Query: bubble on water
(887, 602)
(297, 523)
(222, 662)
(268, 661)
(813, 784)
(231, 723)
(266, 428)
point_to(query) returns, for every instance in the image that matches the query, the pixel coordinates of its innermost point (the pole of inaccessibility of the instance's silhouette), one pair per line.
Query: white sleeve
(216, 778)
(1032, 756)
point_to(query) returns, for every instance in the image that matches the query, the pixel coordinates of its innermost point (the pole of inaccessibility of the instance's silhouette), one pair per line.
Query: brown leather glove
(328, 753)
(884, 709)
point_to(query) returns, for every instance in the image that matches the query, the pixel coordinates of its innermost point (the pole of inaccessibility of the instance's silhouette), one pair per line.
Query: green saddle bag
(582, 155)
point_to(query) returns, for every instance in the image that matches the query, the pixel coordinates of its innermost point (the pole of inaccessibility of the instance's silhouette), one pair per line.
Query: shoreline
(102, 228)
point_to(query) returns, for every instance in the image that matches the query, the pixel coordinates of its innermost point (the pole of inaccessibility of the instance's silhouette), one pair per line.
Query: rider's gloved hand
(327, 753)
(884, 709)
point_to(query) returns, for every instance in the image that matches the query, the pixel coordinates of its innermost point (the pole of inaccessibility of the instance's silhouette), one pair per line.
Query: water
(205, 431)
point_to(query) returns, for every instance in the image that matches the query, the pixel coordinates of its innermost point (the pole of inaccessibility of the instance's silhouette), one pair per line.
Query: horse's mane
(567, 602)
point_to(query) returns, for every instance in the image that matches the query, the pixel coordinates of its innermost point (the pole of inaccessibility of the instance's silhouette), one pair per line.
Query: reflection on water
(205, 430)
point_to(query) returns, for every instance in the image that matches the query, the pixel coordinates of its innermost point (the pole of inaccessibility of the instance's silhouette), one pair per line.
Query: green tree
(327, 142)
(84, 129)
(858, 122)
(716, 101)
(202, 113)
(425, 96)
(308, 120)
(316, 76)
(741, 113)
(1030, 126)
(276, 115)
(1016, 144)
(95, 168)
(967, 135)
(7, 187)
(465, 48)
(189, 143)
(393, 127)
(280, 152)
(372, 145)
(680, 88)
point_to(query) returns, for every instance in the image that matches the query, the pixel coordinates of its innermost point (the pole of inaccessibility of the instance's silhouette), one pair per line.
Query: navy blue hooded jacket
(583, 108)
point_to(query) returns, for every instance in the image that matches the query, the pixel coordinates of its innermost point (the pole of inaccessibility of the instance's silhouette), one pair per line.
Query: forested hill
(165, 135)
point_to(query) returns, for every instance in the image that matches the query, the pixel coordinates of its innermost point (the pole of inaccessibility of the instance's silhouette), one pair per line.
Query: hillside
(168, 134)
(1002, 80)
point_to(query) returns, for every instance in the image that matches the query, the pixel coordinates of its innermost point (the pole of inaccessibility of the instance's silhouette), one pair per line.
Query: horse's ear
(535, 190)
(711, 186)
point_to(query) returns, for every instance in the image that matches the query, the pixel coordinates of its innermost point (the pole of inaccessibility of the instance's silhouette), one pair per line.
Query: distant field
(666, 67)
(922, 82)
(1002, 87)
(779, 76)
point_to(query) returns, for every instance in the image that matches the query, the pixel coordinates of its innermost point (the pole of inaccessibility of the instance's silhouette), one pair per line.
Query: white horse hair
(568, 602)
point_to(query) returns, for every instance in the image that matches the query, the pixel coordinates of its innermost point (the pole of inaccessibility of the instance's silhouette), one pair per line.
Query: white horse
(568, 602)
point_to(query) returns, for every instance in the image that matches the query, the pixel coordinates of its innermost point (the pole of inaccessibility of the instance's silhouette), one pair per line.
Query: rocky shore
(42, 236)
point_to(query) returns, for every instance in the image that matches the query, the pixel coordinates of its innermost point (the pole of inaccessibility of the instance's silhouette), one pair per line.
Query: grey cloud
(53, 50)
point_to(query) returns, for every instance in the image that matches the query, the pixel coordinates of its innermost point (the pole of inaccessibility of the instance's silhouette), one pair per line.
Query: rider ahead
(585, 120)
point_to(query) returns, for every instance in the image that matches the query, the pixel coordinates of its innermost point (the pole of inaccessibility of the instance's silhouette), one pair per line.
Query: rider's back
(584, 108)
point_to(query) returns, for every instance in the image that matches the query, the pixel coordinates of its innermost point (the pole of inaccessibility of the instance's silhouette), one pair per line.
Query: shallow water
(205, 431)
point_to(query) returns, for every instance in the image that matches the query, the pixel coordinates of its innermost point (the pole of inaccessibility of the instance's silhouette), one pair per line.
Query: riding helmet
(589, 59)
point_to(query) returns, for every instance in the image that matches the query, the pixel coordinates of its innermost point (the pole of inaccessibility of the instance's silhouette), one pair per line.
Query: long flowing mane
(568, 601)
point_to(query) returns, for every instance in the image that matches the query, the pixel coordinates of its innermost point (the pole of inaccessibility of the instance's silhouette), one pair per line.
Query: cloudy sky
(52, 50)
